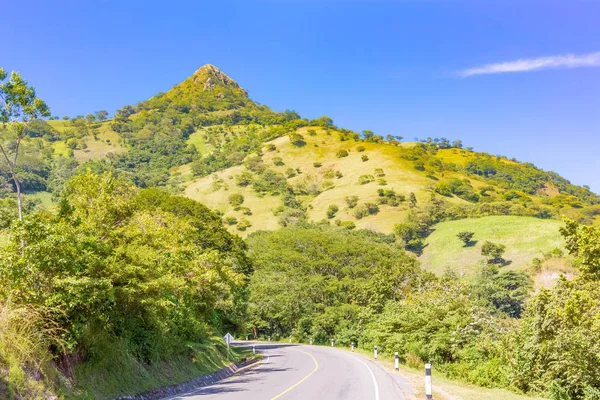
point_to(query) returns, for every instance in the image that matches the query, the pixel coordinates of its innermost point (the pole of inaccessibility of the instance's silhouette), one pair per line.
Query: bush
(364, 179)
(465, 237)
(236, 199)
(231, 220)
(360, 149)
(244, 179)
(351, 201)
(243, 224)
(347, 225)
(290, 173)
(493, 252)
(245, 210)
(297, 140)
(342, 154)
(379, 172)
(317, 164)
(271, 147)
(278, 161)
(364, 158)
(332, 210)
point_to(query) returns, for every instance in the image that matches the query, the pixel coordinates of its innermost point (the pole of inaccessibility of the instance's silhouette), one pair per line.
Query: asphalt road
(301, 372)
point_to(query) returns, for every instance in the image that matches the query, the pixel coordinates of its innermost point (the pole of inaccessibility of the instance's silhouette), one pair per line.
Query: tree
(412, 200)
(493, 252)
(297, 139)
(351, 201)
(332, 210)
(465, 237)
(91, 118)
(102, 115)
(19, 105)
(236, 199)
(583, 242)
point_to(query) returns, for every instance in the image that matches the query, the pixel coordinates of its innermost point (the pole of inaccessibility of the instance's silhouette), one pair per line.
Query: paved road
(301, 372)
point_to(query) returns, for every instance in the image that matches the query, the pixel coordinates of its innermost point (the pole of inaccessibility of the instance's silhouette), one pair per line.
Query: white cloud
(536, 64)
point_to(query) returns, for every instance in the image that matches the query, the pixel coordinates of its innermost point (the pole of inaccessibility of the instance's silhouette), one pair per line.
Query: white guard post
(228, 339)
(428, 389)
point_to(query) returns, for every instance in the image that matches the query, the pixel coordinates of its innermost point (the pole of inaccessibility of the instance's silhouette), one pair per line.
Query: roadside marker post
(375, 352)
(352, 346)
(428, 389)
(311, 341)
(228, 339)
(332, 342)
(396, 361)
(246, 338)
(269, 338)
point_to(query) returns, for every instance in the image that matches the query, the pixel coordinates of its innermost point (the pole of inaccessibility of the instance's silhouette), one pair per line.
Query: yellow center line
(301, 380)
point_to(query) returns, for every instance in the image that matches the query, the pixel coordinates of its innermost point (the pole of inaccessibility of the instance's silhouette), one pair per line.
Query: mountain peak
(210, 77)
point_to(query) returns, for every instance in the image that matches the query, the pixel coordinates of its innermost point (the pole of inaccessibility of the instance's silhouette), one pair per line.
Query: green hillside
(524, 238)
(128, 260)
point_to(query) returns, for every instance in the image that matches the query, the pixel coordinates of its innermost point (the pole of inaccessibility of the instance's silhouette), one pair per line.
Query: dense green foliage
(358, 286)
(323, 281)
(150, 270)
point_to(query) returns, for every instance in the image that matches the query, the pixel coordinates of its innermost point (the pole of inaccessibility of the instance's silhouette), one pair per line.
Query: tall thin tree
(18, 106)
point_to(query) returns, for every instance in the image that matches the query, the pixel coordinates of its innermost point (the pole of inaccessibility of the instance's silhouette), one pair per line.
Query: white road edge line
(372, 376)
(195, 391)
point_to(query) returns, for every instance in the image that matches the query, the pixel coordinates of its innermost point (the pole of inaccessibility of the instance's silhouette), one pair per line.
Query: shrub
(244, 179)
(364, 179)
(231, 220)
(278, 161)
(290, 172)
(236, 199)
(379, 172)
(342, 154)
(317, 164)
(351, 201)
(329, 173)
(465, 237)
(245, 211)
(365, 210)
(297, 140)
(311, 132)
(271, 182)
(348, 225)
(381, 182)
(364, 157)
(271, 147)
(493, 252)
(255, 164)
(243, 224)
(360, 148)
(332, 210)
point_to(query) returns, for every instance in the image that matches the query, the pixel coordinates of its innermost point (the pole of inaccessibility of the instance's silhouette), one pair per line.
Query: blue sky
(394, 67)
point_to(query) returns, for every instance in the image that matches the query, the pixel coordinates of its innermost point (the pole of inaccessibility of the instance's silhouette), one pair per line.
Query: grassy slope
(524, 238)
(322, 148)
(108, 142)
(118, 374)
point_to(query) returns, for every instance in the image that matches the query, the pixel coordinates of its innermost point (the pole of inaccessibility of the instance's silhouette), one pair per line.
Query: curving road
(301, 372)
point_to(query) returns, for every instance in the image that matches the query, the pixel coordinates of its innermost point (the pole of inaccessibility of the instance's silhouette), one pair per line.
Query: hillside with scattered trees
(130, 242)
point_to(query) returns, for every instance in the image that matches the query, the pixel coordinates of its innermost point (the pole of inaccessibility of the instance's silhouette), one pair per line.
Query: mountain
(207, 139)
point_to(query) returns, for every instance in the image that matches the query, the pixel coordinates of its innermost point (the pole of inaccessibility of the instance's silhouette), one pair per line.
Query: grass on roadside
(117, 373)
